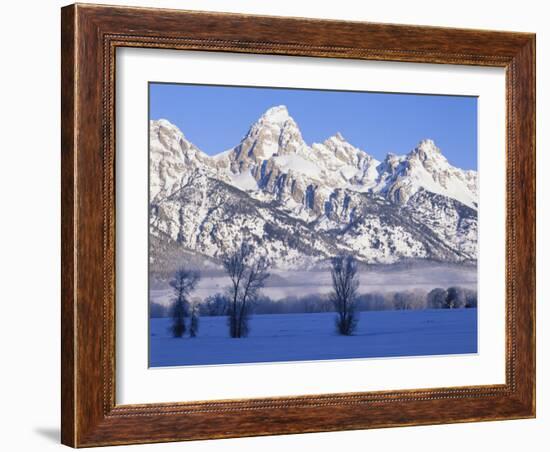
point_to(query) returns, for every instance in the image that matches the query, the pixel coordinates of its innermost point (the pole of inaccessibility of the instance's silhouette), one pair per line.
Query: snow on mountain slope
(331, 197)
(209, 216)
(172, 158)
(425, 167)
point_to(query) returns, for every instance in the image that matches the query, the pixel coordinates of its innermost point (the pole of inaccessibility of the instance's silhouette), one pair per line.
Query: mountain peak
(337, 137)
(276, 115)
(428, 147)
(337, 141)
(166, 126)
(162, 122)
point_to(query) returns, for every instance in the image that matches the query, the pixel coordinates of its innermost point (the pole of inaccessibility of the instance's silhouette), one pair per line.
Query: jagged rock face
(274, 133)
(425, 167)
(209, 216)
(300, 204)
(172, 158)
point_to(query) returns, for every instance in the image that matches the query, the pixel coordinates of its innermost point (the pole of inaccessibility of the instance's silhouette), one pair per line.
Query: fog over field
(382, 278)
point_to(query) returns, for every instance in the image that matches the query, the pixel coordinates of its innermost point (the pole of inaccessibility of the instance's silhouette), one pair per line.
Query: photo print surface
(301, 225)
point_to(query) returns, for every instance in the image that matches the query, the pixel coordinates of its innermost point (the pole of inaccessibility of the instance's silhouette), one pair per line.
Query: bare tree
(183, 283)
(436, 298)
(456, 298)
(247, 274)
(194, 323)
(345, 283)
(215, 305)
(471, 298)
(400, 301)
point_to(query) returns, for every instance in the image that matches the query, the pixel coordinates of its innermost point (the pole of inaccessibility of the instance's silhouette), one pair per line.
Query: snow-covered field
(304, 337)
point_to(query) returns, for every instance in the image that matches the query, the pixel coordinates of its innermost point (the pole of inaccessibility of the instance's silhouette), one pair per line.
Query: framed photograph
(281, 225)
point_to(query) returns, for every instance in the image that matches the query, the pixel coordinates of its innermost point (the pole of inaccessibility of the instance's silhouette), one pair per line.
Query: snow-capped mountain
(300, 204)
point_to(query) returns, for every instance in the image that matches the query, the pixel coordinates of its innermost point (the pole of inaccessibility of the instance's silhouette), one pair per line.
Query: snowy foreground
(304, 337)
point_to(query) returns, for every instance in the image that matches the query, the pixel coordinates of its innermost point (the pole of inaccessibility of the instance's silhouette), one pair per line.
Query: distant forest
(438, 298)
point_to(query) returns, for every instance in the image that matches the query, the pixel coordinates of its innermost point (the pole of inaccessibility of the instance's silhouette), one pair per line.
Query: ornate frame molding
(90, 37)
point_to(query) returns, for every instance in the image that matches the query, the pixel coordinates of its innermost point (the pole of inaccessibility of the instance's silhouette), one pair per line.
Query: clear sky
(215, 118)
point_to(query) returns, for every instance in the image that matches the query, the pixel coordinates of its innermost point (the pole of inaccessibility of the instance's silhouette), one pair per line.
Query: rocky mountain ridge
(301, 204)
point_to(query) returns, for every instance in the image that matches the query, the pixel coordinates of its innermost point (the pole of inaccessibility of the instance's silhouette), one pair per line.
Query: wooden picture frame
(90, 36)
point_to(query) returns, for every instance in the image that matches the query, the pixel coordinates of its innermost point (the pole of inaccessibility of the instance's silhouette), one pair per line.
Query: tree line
(416, 299)
(247, 274)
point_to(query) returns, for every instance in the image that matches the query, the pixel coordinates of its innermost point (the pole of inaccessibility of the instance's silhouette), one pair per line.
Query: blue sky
(215, 118)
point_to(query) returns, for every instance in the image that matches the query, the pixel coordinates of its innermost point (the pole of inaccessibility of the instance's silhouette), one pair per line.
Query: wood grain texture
(90, 36)
(68, 147)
